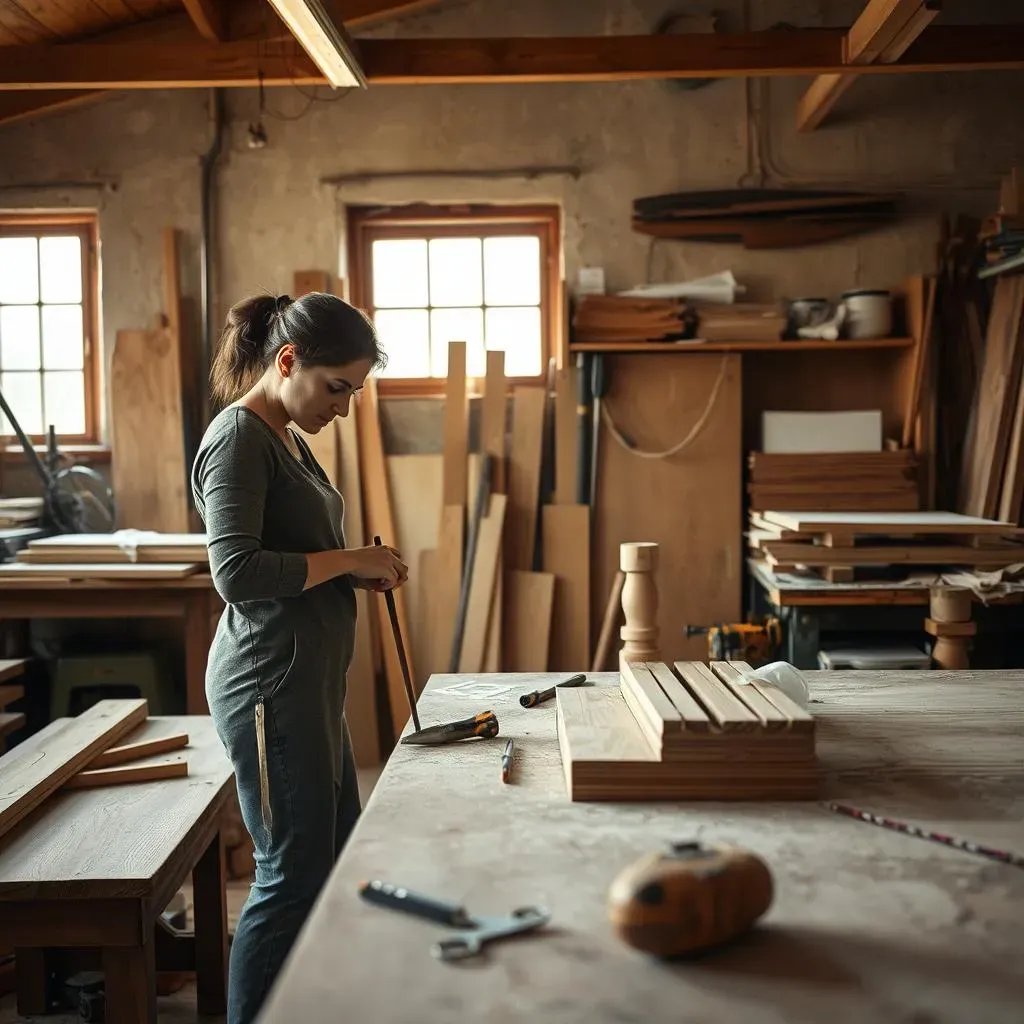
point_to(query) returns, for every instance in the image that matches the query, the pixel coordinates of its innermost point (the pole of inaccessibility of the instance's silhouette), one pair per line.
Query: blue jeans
(314, 800)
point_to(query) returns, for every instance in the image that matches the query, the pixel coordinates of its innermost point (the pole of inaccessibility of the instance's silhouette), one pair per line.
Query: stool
(82, 679)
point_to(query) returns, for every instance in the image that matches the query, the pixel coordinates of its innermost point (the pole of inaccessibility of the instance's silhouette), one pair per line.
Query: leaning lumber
(136, 751)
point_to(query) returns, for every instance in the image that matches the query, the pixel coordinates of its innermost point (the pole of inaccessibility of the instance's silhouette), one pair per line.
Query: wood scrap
(129, 773)
(619, 318)
(127, 752)
(31, 778)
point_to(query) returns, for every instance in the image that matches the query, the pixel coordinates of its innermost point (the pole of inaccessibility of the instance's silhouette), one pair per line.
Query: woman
(276, 676)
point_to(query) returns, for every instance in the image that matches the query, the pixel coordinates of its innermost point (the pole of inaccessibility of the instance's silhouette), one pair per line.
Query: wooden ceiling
(54, 53)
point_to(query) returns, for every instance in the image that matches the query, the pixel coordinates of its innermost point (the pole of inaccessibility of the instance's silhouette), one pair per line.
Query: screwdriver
(531, 700)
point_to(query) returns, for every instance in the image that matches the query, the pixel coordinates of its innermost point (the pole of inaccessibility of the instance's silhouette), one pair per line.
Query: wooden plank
(888, 524)
(695, 718)
(1011, 498)
(493, 415)
(481, 586)
(529, 602)
(443, 587)
(456, 426)
(129, 773)
(728, 711)
(922, 354)
(380, 522)
(121, 571)
(524, 475)
(995, 400)
(779, 553)
(208, 18)
(30, 776)
(566, 554)
(655, 712)
(9, 694)
(10, 721)
(566, 437)
(12, 668)
(361, 681)
(147, 432)
(731, 673)
(135, 751)
(494, 643)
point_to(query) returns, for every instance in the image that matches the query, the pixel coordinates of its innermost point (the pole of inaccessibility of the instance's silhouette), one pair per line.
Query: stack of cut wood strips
(686, 732)
(623, 319)
(110, 743)
(843, 545)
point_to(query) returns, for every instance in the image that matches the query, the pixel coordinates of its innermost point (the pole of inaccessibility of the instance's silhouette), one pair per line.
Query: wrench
(474, 931)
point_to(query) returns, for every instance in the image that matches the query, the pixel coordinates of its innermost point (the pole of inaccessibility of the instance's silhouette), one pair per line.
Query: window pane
(24, 395)
(457, 325)
(405, 337)
(19, 337)
(456, 272)
(19, 270)
(400, 272)
(63, 344)
(60, 269)
(512, 271)
(517, 330)
(64, 401)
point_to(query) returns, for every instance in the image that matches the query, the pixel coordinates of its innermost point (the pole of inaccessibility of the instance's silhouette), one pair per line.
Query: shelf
(738, 346)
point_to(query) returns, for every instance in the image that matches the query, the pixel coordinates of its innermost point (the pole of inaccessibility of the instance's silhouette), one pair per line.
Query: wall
(945, 139)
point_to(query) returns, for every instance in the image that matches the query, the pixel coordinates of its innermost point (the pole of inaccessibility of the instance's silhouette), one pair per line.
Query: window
(488, 276)
(47, 327)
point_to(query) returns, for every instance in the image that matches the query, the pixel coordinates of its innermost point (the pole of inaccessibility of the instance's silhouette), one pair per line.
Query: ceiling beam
(318, 29)
(528, 59)
(883, 33)
(208, 18)
(365, 13)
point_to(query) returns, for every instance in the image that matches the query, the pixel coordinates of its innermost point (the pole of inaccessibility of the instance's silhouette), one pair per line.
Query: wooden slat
(528, 608)
(123, 571)
(799, 720)
(881, 22)
(380, 521)
(731, 673)
(481, 586)
(361, 681)
(695, 718)
(1011, 498)
(443, 588)
(886, 524)
(727, 710)
(566, 554)
(456, 426)
(493, 414)
(780, 553)
(524, 475)
(566, 437)
(922, 353)
(129, 773)
(12, 668)
(636, 679)
(127, 752)
(31, 776)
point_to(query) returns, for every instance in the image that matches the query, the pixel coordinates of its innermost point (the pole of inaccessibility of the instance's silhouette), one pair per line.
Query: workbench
(867, 924)
(809, 607)
(192, 600)
(92, 870)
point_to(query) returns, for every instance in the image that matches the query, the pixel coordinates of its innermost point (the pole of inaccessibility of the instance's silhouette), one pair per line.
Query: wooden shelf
(739, 346)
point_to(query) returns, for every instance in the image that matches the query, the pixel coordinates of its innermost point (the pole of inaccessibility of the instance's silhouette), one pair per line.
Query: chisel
(484, 725)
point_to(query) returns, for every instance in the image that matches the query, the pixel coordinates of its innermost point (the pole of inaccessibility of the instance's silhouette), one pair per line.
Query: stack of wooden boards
(884, 481)
(741, 321)
(93, 749)
(992, 478)
(686, 732)
(762, 218)
(20, 512)
(125, 556)
(622, 319)
(836, 544)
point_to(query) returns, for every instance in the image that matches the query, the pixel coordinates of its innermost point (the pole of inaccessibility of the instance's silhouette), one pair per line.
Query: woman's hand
(377, 567)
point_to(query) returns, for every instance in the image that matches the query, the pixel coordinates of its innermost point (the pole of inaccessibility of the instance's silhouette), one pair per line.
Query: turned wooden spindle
(950, 623)
(638, 560)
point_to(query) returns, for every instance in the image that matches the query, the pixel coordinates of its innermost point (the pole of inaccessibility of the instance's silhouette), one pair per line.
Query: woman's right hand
(378, 562)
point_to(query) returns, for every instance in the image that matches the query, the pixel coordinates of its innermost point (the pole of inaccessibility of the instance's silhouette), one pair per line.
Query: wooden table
(94, 869)
(867, 924)
(192, 600)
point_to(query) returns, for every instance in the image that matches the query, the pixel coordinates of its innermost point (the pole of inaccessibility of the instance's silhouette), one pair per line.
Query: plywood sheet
(97, 570)
(529, 600)
(524, 475)
(690, 504)
(565, 543)
(148, 470)
(123, 546)
(889, 524)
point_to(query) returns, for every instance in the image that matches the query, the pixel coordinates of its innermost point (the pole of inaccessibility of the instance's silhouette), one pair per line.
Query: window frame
(367, 224)
(85, 225)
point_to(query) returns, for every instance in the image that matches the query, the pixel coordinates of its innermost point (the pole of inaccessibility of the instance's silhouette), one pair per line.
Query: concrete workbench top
(868, 925)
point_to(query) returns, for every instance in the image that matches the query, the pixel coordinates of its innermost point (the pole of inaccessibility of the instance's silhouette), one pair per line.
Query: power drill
(754, 642)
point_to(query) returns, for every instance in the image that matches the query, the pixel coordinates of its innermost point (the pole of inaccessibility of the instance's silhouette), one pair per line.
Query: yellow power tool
(755, 642)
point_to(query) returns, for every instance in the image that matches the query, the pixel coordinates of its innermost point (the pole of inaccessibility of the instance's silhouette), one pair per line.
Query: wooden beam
(883, 33)
(319, 30)
(208, 18)
(363, 13)
(529, 59)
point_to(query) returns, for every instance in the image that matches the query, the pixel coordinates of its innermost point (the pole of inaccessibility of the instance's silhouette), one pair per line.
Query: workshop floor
(178, 1007)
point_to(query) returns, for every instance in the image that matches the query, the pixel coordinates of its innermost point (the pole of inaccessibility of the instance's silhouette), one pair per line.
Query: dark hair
(324, 329)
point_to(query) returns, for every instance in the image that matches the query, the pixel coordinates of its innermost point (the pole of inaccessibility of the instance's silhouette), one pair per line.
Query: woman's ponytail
(244, 343)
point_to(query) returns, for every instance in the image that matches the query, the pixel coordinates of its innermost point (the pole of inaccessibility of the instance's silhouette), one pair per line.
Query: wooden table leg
(197, 650)
(31, 978)
(211, 928)
(130, 984)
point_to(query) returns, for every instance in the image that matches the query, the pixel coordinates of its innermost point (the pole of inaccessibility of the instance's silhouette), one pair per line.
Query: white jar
(868, 313)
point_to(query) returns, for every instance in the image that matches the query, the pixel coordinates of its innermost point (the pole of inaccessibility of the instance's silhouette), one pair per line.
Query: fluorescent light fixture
(323, 40)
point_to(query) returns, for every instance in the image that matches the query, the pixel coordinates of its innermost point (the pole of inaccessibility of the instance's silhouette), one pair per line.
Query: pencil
(506, 761)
